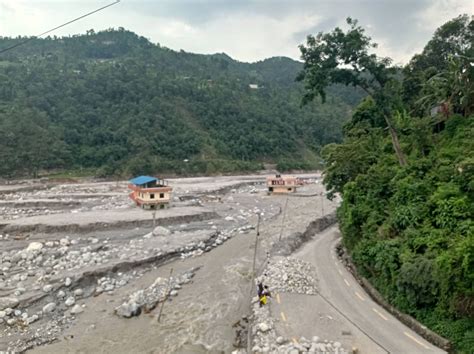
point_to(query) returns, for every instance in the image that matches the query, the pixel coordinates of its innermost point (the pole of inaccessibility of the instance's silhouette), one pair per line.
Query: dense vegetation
(114, 103)
(405, 170)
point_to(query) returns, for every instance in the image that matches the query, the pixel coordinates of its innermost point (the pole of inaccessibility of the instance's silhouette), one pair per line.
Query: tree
(343, 58)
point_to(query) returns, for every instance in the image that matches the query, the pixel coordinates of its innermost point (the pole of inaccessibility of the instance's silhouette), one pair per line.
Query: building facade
(150, 192)
(282, 184)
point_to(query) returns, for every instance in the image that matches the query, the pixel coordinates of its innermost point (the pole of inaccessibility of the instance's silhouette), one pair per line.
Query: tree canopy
(408, 227)
(112, 102)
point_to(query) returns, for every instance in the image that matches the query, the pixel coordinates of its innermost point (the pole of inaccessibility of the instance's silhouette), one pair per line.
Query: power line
(55, 28)
(353, 323)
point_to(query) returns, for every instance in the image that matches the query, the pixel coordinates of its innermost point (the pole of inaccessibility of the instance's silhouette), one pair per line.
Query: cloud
(248, 30)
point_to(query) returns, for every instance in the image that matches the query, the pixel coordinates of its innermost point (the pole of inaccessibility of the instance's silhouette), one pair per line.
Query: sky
(247, 30)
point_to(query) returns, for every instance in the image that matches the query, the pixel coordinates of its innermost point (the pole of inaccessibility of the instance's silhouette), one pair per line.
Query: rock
(263, 327)
(315, 339)
(280, 340)
(70, 301)
(68, 281)
(337, 345)
(76, 309)
(78, 292)
(34, 246)
(17, 313)
(128, 309)
(173, 293)
(229, 218)
(49, 307)
(47, 288)
(3, 314)
(61, 294)
(256, 349)
(64, 242)
(8, 302)
(161, 231)
(32, 319)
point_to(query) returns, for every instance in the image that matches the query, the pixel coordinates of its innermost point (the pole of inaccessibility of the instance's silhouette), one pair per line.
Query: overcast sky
(247, 30)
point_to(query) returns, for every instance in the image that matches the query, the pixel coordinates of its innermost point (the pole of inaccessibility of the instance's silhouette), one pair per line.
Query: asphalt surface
(343, 311)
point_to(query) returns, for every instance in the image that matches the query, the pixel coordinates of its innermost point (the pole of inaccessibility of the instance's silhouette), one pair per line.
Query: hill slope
(114, 102)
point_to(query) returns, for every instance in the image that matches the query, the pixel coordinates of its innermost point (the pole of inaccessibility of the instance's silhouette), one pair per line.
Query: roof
(142, 180)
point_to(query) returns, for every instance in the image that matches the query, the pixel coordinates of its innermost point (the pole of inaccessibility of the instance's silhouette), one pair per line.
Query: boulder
(8, 302)
(70, 301)
(34, 246)
(161, 231)
(49, 307)
(76, 309)
(263, 327)
(128, 309)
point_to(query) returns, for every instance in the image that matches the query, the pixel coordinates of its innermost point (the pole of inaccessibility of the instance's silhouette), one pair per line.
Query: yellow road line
(283, 317)
(416, 340)
(378, 313)
(347, 283)
(359, 296)
(278, 298)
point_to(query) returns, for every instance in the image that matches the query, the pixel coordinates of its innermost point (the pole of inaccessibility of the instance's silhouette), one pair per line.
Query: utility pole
(283, 219)
(322, 203)
(252, 285)
(166, 294)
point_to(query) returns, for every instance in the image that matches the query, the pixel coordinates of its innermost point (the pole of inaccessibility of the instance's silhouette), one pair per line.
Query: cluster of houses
(155, 193)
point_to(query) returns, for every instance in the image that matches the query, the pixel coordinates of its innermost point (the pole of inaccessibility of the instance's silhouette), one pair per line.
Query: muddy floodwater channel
(83, 270)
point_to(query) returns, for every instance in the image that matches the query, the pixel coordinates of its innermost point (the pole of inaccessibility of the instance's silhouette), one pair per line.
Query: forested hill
(114, 103)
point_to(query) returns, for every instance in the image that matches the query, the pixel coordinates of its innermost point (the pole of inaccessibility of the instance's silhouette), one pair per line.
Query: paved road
(350, 317)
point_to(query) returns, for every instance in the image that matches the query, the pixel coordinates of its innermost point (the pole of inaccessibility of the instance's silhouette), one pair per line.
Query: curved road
(343, 312)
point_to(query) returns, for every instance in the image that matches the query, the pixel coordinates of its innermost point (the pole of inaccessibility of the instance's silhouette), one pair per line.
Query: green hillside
(114, 103)
(405, 171)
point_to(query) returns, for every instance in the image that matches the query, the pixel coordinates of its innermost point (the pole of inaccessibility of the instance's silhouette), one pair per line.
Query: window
(162, 195)
(289, 189)
(152, 196)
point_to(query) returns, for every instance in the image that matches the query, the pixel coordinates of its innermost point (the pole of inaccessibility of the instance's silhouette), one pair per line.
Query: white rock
(64, 242)
(61, 294)
(32, 319)
(70, 301)
(68, 281)
(47, 288)
(76, 309)
(8, 302)
(263, 327)
(280, 340)
(161, 231)
(173, 293)
(34, 246)
(78, 292)
(49, 307)
(3, 314)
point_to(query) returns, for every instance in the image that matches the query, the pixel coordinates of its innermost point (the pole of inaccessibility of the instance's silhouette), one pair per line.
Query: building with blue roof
(150, 192)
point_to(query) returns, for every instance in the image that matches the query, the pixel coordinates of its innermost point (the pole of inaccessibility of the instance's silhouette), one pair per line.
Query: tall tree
(341, 57)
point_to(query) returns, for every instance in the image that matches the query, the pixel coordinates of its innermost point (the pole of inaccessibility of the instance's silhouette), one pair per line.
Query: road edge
(409, 321)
